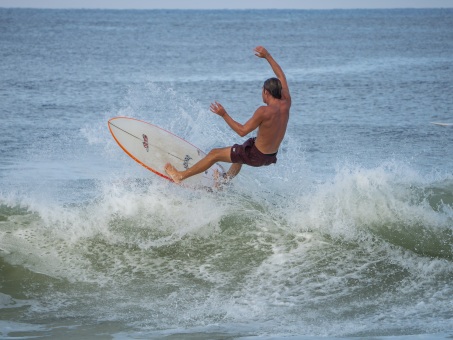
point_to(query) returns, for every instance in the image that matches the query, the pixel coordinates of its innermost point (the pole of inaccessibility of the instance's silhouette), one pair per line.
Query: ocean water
(349, 235)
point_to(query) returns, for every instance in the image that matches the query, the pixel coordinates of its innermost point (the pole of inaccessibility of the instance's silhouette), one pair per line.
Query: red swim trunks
(249, 154)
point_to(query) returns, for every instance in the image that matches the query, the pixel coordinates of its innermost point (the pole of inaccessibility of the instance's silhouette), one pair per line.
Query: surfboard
(442, 124)
(153, 147)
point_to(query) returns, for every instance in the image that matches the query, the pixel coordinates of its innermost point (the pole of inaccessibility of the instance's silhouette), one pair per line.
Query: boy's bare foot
(173, 173)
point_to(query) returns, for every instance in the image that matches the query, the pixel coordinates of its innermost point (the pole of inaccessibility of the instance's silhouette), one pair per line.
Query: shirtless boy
(270, 120)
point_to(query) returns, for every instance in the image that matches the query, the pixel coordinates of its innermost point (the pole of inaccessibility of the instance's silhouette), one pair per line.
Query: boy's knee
(215, 154)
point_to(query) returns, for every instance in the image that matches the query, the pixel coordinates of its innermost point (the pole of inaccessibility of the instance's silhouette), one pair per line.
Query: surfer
(271, 121)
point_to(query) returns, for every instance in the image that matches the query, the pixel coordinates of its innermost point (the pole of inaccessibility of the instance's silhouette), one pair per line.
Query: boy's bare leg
(226, 177)
(233, 171)
(215, 155)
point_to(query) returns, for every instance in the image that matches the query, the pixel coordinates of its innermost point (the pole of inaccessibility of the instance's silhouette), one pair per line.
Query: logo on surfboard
(145, 142)
(186, 162)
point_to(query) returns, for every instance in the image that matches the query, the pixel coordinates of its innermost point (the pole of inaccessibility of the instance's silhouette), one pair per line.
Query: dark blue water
(350, 234)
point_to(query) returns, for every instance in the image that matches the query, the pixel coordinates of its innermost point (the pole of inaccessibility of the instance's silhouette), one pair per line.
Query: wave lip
(390, 203)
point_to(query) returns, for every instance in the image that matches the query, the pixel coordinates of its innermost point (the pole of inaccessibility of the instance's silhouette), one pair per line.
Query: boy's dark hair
(274, 87)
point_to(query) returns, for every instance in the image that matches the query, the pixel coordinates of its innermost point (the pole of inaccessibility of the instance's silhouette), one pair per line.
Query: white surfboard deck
(153, 147)
(442, 124)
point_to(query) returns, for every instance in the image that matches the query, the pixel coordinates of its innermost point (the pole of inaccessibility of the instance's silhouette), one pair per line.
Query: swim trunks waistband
(271, 154)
